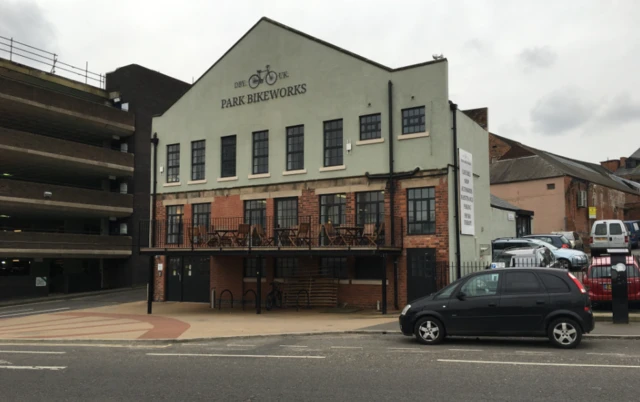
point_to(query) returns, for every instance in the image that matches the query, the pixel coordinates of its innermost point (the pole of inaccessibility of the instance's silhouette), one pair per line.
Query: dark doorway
(188, 279)
(174, 279)
(421, 272)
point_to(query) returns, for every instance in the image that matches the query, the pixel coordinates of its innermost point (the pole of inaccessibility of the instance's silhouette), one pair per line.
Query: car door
(524, 303)
(473, 310)
(616, 235)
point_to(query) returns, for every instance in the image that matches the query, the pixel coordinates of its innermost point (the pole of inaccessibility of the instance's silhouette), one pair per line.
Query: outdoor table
(349, 234)
(223, 235)
(284, 234)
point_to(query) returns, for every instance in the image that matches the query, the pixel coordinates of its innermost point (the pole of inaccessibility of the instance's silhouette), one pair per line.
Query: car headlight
(405, 309)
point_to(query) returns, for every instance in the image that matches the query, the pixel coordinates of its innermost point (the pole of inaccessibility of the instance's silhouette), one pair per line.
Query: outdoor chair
(260, 234)
(302, 236)
(332, 235)
(244, 232)
(370, 234)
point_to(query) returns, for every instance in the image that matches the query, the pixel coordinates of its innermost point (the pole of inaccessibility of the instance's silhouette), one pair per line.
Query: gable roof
(502, 204)
(312, 38)
(636, 155)
(523, 163)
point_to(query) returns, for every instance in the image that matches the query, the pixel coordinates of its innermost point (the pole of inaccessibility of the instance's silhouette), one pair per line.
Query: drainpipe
(392, 191)
(454, 109)
(154, 142)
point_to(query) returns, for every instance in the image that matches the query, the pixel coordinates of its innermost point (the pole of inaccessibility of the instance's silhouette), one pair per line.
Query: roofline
(520, 181)
(148, 69)
(519, 211)
(313, 38)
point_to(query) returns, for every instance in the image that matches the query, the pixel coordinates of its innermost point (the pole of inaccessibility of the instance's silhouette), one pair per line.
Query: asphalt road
(321, 368)
(77, 303)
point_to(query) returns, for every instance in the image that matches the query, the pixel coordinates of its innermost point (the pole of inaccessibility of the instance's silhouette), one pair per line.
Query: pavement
(322, 368)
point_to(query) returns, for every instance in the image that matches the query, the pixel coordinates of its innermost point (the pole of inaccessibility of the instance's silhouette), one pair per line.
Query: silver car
(574, 238)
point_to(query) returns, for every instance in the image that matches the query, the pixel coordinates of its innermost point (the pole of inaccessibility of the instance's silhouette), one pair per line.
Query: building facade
(508, 220)
(71, 183)
(275, 167)
(628, 168)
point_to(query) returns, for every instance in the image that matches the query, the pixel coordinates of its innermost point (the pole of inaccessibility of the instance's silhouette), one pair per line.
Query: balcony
(27, 197)
(67, 245)
(271, 236)
(35, 153)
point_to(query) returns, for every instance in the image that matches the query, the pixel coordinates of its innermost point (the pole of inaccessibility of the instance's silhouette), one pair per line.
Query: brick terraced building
(295, 162)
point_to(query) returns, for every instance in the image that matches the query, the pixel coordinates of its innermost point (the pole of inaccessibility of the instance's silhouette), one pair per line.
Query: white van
(608, 234)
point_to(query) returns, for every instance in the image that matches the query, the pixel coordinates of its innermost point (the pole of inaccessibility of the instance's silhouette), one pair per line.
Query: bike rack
(255, 297)
(298, 299)
(220, 298)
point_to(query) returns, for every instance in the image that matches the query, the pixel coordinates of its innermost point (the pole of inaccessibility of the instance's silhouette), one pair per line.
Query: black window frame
(228, 150)
(409, 123)
(175, 220)
(260, 152)
(369, 268)
(334, 267)
(295, 148)
(173, 163)
(250, 267)
(333, 138)
(415, 226)
(255, 212)
(330, 201)
(365, 202)
(371, 126)
(286, 212)
(284, 264)
(198, 159)
(201, 214)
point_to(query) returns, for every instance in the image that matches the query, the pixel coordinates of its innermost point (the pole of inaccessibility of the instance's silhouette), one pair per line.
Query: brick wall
(160, 281)
(611, 165)
(497, 148)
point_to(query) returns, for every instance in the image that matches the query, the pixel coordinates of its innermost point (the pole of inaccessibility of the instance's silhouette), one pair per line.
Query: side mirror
(461, 295)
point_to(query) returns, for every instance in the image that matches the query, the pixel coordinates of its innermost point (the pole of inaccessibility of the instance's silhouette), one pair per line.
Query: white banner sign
(467, 219)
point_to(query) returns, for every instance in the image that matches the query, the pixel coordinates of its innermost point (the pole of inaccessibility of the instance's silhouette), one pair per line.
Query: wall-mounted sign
(592, 212)
(511, 216)
(41, 281)
(467, 220)
(268, 77)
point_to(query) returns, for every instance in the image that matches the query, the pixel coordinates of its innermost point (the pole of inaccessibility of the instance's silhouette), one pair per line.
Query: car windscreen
(615, 228)
(604, 271)
(445, 292)
(564, 240)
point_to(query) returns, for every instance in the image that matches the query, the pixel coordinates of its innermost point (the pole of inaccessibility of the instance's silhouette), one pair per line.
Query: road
(321, 368)
(78, 303)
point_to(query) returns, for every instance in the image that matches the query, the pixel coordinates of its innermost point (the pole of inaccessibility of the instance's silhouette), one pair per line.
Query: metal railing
(19, 52)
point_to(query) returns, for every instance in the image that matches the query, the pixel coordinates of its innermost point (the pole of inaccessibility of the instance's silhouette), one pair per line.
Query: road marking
(466, 350)
(293, 346)
(235, 345)
(32, 352)
(404, 349)
(346, 347)
(15, 311)
(227, 355)
(53, 368)
(531, 352)
(34, 312)
(90, 345)
(537, 364)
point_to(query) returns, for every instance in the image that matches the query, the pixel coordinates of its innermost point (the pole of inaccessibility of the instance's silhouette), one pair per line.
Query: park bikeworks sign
(268, 77)
(467, 219)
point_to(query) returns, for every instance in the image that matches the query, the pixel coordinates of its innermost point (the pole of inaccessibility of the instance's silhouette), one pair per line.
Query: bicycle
(270, 78)
(274, 298)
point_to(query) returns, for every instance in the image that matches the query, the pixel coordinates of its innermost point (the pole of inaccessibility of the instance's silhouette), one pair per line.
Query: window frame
(287, 220)
(338, 159)
(173, 163)
(228, 156)
(258, 207)
(412, 203)
(505, 292)
(260, 152)
(198, 160)
(408, 123)
(250, 267)
(361, 272)
(362, 204)
(338, 265)
(175, 220)
(330, 203)
(498, 286)
(199, 218)
(294, 133)
(286, 263)
(367, 129)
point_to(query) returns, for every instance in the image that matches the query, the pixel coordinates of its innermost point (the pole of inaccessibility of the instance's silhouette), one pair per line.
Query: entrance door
(174, 279)
(195, 280)
(421, 272)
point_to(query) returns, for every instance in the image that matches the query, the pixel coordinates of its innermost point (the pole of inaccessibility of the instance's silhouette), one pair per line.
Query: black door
(421, 272)
(524, 303)
(476, 312)
(174, 279)
(195, 280)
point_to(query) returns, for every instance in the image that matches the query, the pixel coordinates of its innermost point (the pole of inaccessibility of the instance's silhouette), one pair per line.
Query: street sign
(592, 212)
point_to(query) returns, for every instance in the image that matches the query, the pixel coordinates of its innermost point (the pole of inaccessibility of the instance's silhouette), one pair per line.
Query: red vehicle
(598, 279)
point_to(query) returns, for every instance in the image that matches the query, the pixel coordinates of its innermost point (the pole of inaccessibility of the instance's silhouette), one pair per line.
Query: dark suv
(545, 302)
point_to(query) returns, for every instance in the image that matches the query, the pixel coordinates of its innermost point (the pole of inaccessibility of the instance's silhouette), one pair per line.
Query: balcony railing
(302, 232)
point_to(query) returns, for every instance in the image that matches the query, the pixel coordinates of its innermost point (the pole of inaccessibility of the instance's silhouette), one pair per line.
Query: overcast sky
(562, 76)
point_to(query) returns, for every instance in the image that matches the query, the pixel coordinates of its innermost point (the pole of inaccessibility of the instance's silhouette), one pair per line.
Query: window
(174, 224)
(421, 210)
(551, 186)
(295, 148)
(521, 282)
(332, 208)
(286, 212)
(173, 163)
(255, 212)
(251, 267)
(615, 229)
(601, 229)
(260, 152)
(370, 127)
(554, 284)
(447, 291)
(228, 156)
(481, 285)
(370, 207)
(413, 120)
(286, 267)
(201, 215)
(369, 268)
(334, 267)
(197, 160)
(604, 271)
(15, 267)
(333, 143)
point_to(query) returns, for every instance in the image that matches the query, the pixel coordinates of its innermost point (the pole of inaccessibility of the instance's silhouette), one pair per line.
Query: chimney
(611, 165)
(480, 116)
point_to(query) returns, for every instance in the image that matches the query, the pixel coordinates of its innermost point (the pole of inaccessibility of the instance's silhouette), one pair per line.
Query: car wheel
(565, 264)
(429, 331)
(565, 333)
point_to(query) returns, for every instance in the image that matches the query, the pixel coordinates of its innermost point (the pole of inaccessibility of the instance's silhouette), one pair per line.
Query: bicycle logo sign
(267, 75)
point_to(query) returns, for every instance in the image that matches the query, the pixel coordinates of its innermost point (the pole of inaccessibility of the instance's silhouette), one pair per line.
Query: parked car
(527, 257)
(598, 279)
(559, 241)
(633, 227)
(608, 234)
(504, 302)
(569, 259)
(574, 238)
